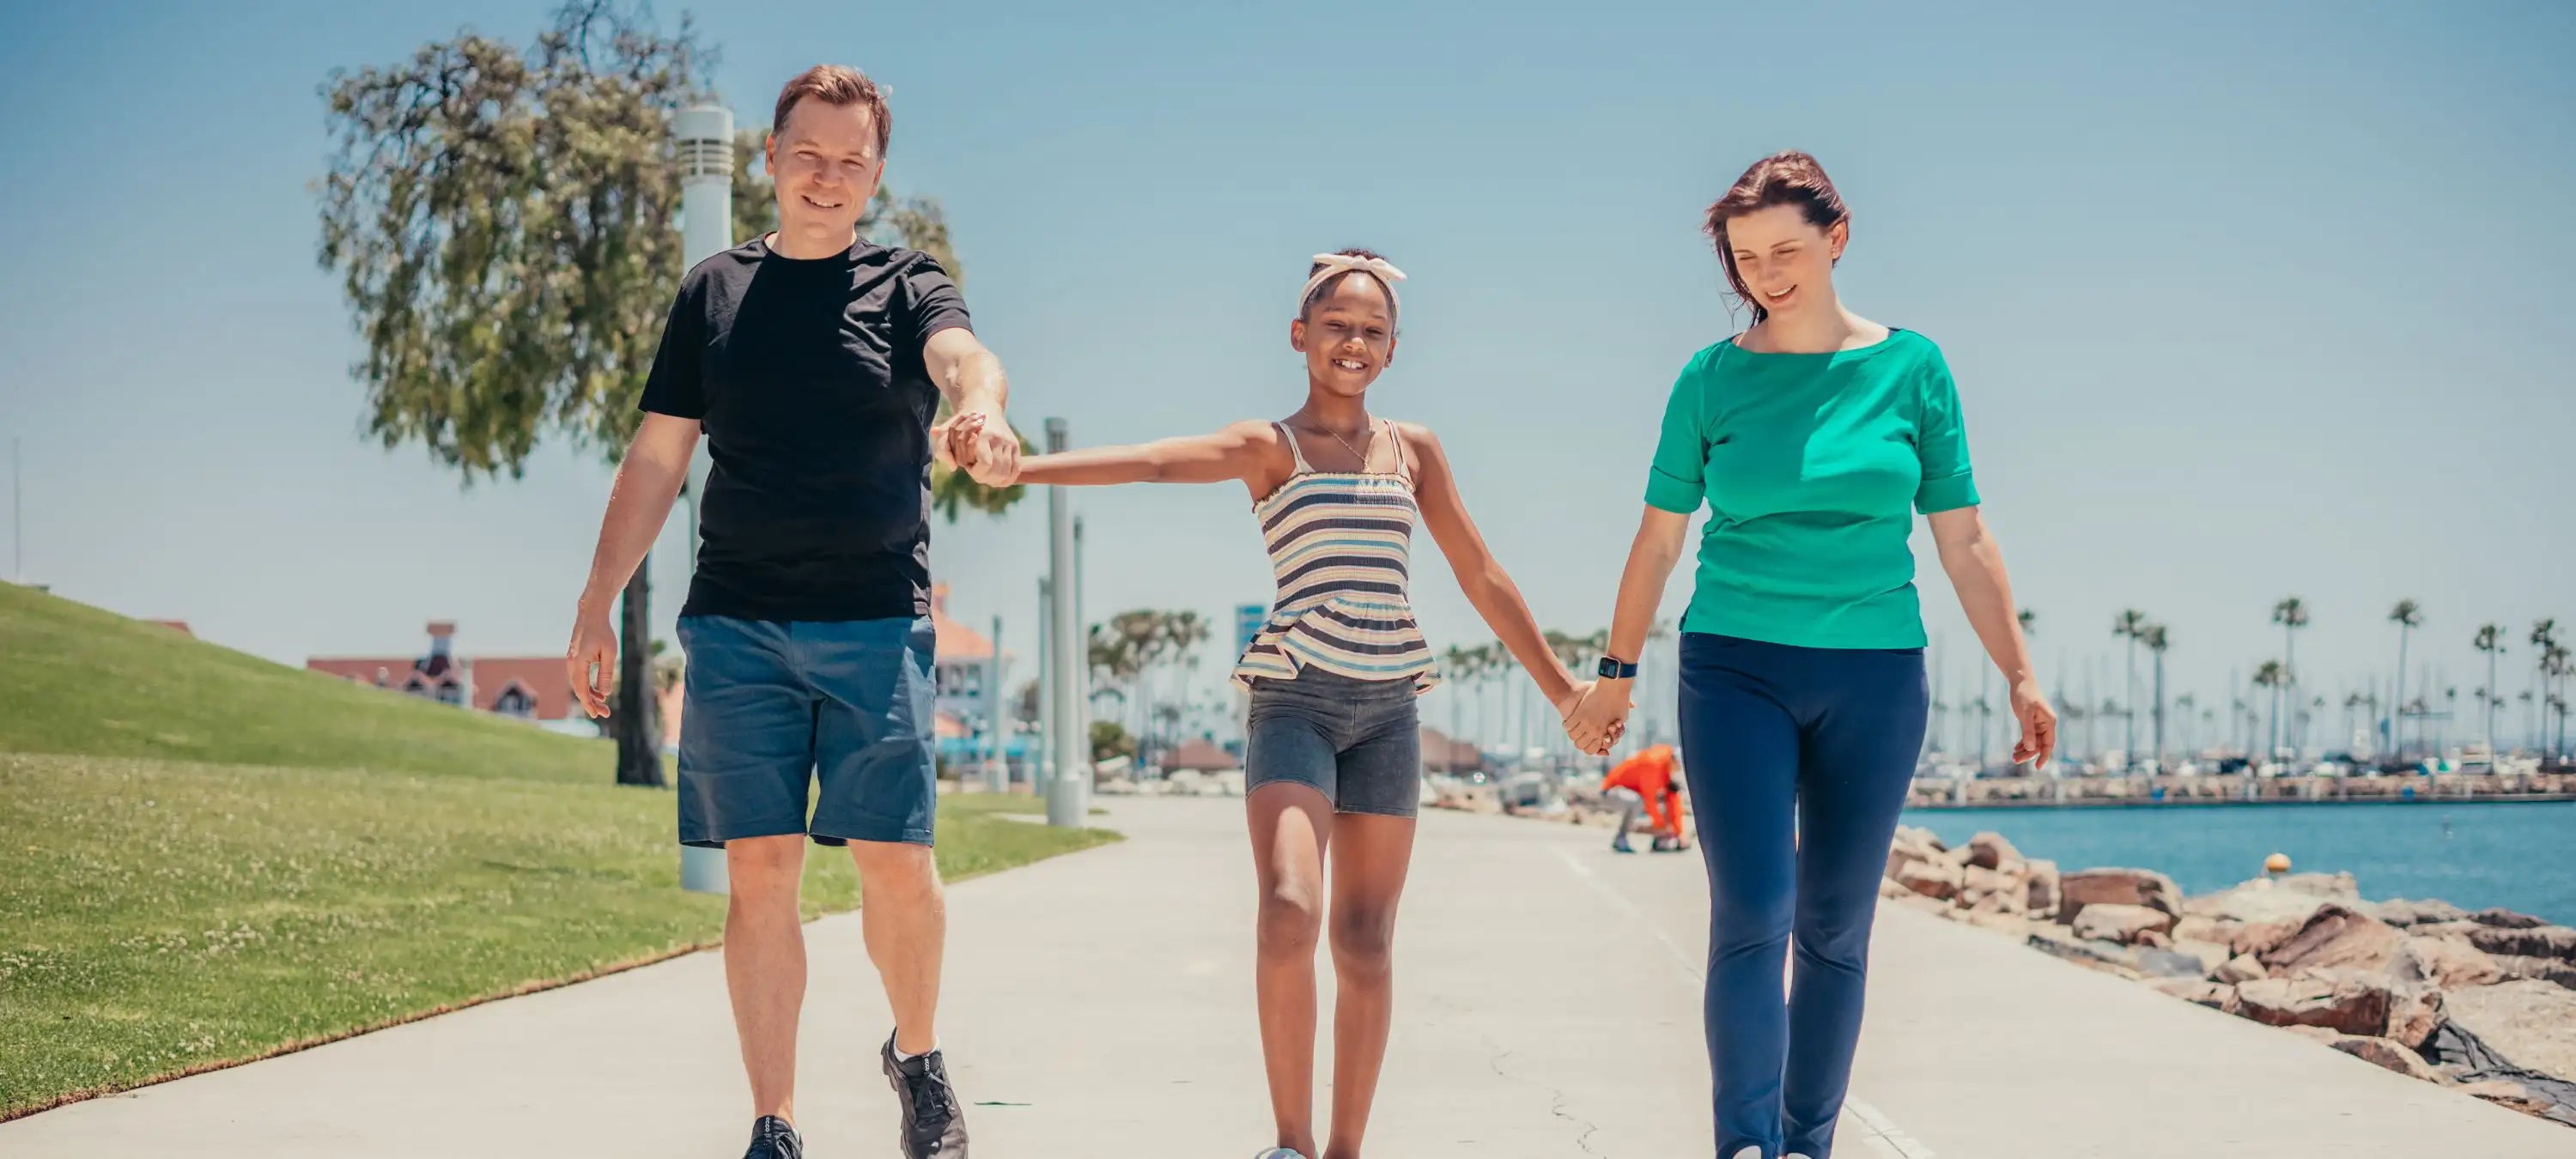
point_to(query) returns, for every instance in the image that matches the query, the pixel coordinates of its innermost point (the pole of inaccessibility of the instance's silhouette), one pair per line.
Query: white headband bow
(1335, 265)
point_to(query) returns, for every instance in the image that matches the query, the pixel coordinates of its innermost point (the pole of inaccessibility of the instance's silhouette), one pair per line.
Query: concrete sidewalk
(1100, 1005)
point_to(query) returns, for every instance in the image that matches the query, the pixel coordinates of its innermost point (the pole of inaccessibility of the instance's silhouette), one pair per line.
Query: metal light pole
(705, 135)
(1043, 753)
(1069, 794)
(997, 767)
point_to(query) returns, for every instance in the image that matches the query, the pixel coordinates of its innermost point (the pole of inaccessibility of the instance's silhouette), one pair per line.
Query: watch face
(1611, 669)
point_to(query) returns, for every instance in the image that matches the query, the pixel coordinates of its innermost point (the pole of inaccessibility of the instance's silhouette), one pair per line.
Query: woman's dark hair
(1785, 178)
(1325, 287)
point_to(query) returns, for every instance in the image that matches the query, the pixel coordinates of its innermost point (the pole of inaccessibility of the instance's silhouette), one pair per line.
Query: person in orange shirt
(1644, 783)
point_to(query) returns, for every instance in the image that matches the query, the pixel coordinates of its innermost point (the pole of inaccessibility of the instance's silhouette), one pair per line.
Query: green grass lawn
(234, 858)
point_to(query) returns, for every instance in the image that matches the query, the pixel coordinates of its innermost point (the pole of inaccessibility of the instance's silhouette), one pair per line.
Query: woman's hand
(2038, 723)
(1598, 716)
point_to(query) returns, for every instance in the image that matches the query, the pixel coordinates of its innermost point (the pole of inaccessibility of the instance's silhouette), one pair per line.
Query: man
(1644, 783)
(813, 361)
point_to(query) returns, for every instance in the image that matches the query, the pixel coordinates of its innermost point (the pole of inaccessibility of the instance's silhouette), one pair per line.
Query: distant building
(530, 687)
(962, 666)
(179, 626)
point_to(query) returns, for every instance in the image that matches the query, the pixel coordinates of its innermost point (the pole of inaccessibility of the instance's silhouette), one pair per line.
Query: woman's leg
(1370, 854)
(1291, 825)
(1860, 753)
(1740, 756)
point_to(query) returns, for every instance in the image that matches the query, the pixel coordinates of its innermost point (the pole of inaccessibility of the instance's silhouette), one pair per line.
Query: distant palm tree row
(1127, 652)
(2279, 726)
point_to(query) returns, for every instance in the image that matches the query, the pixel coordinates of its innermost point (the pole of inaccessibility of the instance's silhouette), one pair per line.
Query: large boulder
(2446, 963)
(2194, 927)
(1889, 887)
(1910, 846)
(2336, 936)
(2332, 886)
(2120, 923)
(2387, 1053)
(2507, 919)
(2211, 955)
(1937, 879)
(2532, 1023)
(2107, 957)
(2258, 938)
(2240, 969)
(2258, 901)
(2041, 897)
(2139, 887)
(2339, 1002)
(2198, 991)
(2401, 912)
(1978, 881)
(2536, 942)
(1991, 851)
(2537, 969)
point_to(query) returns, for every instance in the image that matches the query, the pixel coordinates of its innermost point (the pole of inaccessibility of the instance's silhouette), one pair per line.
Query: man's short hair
(835, 84)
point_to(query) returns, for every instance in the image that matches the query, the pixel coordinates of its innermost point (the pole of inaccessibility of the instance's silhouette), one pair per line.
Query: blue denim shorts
(775, 709)
(1358, 742)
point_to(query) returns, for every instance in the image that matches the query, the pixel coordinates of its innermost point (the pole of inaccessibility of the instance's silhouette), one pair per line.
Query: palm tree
(2544, 638)
(2557, 665)
(2407, 615)
(2126, 626)
(2292, 614)
(2490, 640)
(1458, 663)
(2273, 675)
(2153, 635)
(2185, 703)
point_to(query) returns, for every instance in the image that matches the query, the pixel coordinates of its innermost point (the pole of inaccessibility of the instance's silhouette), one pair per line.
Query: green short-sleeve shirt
(1812, 466)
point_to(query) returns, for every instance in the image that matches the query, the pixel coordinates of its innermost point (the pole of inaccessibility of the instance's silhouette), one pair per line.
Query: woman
(1333, 759)
(1802, 683)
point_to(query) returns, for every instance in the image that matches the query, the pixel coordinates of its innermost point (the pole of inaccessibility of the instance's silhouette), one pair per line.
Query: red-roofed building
(179, 626)
(533, 687)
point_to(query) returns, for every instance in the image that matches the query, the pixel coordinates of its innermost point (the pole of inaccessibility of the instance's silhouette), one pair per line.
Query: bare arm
(1243, 451)
(1480, 576)
(968, 375)
(1975, 566)
(639, 501)
(977, 436)
(1651, 556)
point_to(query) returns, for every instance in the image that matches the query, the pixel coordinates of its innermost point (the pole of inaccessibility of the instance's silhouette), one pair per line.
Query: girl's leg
(1370, 854)
(1860, 753)
(1291, 825)
(1740, 756)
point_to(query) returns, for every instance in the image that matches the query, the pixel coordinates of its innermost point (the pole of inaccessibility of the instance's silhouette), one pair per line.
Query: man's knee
(894, 871)
(763, 867)
(1291, 917)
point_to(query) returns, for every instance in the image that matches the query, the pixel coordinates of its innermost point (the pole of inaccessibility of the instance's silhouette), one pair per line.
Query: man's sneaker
(1279, 1153)
(934, 1126)
(772, 1138)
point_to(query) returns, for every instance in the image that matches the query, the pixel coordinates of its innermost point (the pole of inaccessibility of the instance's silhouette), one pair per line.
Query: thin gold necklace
(1367, 433)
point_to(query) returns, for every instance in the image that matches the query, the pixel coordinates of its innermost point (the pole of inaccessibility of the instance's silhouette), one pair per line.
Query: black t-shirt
(808, 376)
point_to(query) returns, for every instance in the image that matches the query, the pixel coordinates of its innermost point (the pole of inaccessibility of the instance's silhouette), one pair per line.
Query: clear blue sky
(2242, 304)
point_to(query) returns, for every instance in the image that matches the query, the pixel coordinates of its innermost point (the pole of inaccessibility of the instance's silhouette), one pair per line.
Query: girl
(1333, 752)
(1802, 688)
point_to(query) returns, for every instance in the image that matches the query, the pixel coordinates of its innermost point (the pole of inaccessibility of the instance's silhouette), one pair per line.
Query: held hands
(2038, 723)
(1596, 715)
(983, 445)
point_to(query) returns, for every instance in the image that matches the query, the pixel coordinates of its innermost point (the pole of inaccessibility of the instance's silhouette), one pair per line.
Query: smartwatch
(1613, 668)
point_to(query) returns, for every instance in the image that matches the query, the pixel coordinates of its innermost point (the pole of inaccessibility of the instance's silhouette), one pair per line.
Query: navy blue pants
(1798, 761)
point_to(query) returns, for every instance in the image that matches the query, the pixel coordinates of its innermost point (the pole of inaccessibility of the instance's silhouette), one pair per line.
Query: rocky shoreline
(2485, 1001)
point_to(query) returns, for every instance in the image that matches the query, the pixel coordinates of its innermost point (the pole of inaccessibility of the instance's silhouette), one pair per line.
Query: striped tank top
(1340, 543)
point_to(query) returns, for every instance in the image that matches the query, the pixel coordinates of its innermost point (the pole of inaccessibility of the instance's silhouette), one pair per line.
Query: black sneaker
(934, 1126)
(772, 1138)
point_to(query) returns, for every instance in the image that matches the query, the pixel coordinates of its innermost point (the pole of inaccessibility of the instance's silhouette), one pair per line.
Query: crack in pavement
(1556, 1097)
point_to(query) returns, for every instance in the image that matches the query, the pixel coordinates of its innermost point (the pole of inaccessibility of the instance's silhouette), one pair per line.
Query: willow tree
(503, 221)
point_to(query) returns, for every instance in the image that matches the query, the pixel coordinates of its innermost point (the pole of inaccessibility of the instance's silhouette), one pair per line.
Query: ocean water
(2521, 855)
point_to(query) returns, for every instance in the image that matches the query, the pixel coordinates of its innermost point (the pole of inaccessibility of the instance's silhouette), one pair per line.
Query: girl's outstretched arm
(1243, 450)
(1484, 581)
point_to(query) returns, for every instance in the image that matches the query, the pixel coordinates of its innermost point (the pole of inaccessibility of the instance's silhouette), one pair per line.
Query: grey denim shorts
(1358, 742)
